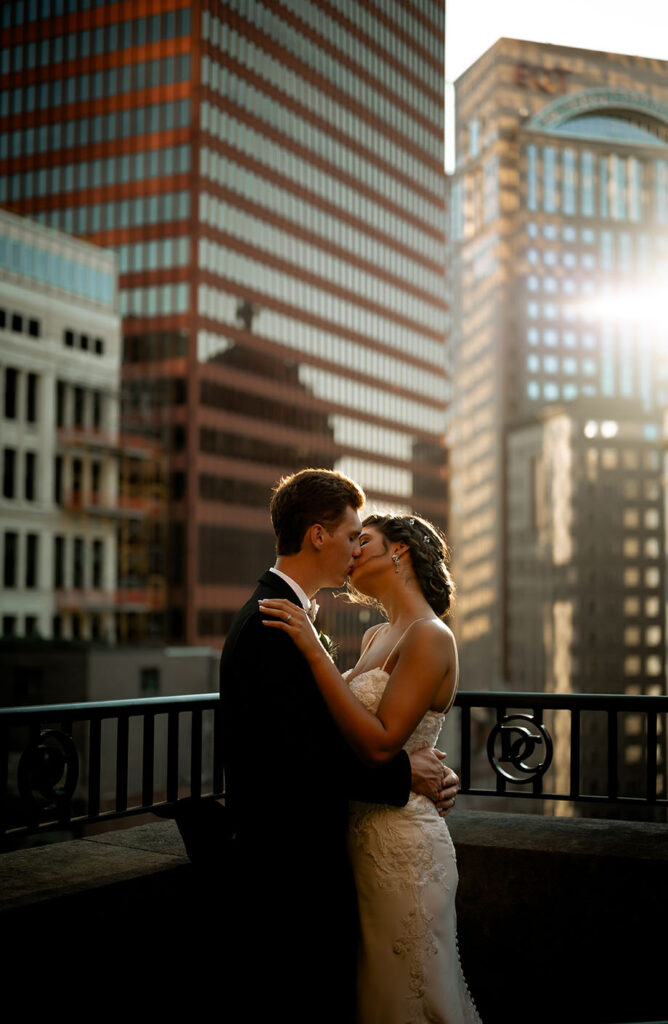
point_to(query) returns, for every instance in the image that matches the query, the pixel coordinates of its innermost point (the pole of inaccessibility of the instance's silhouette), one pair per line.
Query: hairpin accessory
(411, 522)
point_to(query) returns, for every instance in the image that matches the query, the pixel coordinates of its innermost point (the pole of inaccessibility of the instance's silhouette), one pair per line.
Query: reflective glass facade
(270, 177)
(537, 316)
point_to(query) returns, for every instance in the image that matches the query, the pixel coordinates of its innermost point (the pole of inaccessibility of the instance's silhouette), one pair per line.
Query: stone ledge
(80, 865)
(586, 836)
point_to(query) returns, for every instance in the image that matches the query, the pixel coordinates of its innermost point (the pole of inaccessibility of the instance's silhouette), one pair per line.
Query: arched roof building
(557, 268)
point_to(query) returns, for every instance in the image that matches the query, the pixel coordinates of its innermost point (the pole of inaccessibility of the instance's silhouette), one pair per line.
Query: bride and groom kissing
(344, 867)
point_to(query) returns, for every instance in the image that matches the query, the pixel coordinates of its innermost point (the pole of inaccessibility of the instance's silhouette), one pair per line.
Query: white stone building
(59, 422)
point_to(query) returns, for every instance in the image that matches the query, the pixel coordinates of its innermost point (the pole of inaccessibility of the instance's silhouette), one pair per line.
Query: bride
(397, 695)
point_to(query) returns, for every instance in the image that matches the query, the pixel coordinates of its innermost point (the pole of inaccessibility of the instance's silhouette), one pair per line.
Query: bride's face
(374, 559)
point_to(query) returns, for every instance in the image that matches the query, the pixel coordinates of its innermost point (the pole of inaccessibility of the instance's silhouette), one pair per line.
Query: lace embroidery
(409, 855)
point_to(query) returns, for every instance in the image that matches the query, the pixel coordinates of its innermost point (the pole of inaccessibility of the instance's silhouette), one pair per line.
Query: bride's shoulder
(434, 631)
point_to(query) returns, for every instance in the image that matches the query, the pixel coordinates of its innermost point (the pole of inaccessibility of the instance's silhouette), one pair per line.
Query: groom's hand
(432, 778)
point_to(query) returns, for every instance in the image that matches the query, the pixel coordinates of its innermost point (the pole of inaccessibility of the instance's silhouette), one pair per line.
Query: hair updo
(428, 553)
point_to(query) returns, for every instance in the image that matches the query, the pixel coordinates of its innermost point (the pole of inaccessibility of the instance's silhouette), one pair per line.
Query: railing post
(612, 754)
(122, 751)
(148, 757)
(94, 766)
(575, 753)
(465, 748)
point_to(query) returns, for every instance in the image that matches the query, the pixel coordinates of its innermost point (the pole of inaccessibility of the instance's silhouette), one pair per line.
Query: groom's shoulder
(247, 622)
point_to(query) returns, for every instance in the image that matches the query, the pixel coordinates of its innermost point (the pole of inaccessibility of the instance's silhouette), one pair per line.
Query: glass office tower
(271, 178)
(557, 254)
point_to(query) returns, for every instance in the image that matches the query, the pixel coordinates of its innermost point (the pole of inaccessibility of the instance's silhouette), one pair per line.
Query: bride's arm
(427, 655)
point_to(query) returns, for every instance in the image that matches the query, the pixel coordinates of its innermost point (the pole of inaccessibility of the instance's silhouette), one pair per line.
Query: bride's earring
(395, 559)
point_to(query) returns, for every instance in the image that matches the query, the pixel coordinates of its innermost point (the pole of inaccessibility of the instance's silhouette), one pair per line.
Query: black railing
(69, 765)
(589, 748)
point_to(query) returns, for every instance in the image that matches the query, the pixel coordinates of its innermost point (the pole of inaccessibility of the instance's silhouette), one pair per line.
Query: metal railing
(69, 765)
(566, 746)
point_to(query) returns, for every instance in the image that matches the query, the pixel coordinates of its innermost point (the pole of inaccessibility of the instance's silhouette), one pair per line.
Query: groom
(294, 911)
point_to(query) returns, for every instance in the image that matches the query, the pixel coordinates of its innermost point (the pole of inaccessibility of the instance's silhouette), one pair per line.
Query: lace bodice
(369, 687)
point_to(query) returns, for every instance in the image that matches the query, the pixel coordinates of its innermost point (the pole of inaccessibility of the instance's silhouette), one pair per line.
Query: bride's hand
(294, 621)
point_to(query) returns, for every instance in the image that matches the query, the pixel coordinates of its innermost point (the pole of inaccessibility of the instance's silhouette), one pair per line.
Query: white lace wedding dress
(406, 876)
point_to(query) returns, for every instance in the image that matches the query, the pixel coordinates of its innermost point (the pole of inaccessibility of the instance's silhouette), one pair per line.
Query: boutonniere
(331, 646)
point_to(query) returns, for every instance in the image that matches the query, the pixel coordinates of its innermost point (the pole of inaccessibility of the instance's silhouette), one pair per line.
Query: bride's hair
(428, 552)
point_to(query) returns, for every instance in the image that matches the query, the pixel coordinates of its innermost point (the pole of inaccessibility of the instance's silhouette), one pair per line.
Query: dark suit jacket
(288, 778)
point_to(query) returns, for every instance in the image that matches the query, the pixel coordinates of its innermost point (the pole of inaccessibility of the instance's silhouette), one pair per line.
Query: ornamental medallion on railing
(519, 748)
(48, 771)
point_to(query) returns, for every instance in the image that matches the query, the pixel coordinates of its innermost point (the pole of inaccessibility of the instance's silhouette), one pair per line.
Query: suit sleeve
(270, 701)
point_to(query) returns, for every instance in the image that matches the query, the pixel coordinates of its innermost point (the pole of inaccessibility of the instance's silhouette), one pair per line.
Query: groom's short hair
(308, 497)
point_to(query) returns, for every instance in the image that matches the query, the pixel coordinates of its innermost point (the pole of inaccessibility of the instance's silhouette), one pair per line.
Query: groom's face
(341, 547)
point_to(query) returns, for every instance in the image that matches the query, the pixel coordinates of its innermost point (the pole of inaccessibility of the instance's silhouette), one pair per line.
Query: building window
(149, 681)
(587, 171)
(661, 191)
(30, 476)
(58, 480)
(59, 562)
(98, 563)
(603, 187)
(568, 184)
(8, 472)
(32, 560)
(11, 389)
(97, 409)
(550, 195)
(31, 398)
(78, 563)
(79, 405)
(10, 557)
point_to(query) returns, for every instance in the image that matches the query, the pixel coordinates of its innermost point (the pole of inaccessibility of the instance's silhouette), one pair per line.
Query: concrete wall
(560, 920)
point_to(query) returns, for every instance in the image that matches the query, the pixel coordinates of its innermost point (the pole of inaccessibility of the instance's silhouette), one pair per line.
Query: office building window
(532, 178)
(10, 558)
(30, 476)
(8, 472)
(60, 403)
(550, 193)
(11, 390)
(59, 562)
(58, 480)
(568, 181)
(618, 187)
(78, 563)
(587, 183)
(31, 397)
(32, 560)
(635, 175)
(661, 191)
(98, 563)
(604, 205)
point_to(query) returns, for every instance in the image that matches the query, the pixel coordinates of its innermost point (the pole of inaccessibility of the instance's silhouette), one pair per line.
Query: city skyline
(271, 181)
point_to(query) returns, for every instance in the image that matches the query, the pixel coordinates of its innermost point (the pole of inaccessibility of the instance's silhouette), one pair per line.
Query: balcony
(559, 918)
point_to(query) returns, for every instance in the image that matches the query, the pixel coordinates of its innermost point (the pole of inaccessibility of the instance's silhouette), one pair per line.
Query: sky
(638, 27)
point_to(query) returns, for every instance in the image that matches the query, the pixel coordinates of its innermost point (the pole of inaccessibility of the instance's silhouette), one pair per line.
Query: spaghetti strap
(370, 641)
(423, 619)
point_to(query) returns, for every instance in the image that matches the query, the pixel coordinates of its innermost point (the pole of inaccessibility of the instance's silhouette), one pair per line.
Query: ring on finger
(289, 616)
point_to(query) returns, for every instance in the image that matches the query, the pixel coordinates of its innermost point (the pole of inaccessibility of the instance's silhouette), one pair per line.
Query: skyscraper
(271, 179)
(557, 248)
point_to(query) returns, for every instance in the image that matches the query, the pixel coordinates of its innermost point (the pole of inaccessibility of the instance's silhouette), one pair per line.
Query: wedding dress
(406, 876)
